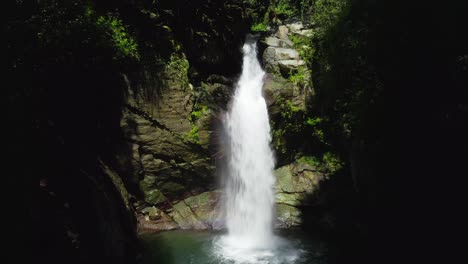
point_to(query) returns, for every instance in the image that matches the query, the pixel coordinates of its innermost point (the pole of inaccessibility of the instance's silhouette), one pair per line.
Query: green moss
(154, 196)
(172, 188)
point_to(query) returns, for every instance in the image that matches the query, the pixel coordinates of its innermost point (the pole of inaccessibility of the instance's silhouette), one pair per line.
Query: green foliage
(326, 13)
(313, 121)
(284, 8)
(198, 111)
(311, 160)
(332, 161)
(327, 162)
(278, 140)
(124, 44)
(193, 135)
(178, 67)
(304, 46)
(300, 77)
(259, 27)
(288, 109)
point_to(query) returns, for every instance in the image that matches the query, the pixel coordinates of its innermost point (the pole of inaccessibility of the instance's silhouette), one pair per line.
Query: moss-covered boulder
(197, 212)
(287, 216)
(294, 184)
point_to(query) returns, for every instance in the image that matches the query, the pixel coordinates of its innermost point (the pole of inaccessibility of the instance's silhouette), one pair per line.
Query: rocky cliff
(175, 139)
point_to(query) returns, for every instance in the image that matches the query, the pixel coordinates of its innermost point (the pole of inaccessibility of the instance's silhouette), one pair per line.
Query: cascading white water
(249, 189)
(249, 186)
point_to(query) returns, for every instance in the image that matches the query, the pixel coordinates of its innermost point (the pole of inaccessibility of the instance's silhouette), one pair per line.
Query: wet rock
(295, 27)
(286, 54)
(272, 56)
(287, 216)
(282, 32)
(152, 212)
(306, 32)
(272, 41)
(165, 222)
(206, 207)
(185, 217)
(213, 78)
(294, 183)
(287, 66)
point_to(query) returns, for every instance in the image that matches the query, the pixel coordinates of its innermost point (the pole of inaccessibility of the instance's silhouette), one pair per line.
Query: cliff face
(112, 104)
(128, 97)
(175, 145)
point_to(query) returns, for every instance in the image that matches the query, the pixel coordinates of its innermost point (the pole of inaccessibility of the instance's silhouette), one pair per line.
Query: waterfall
(249, 187)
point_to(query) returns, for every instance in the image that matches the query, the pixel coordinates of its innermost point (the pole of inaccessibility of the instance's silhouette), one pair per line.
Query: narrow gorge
(237, 131)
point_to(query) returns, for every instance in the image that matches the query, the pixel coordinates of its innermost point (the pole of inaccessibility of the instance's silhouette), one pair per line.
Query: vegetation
(178, 67)
(326, 162)
(259, 27)
(192, 135)
(125, 45)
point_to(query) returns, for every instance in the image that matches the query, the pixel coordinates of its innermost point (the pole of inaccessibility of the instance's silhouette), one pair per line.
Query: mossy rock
(185, 218)
(287, 216)
(172, 188)
(152, 212)
(154, 196)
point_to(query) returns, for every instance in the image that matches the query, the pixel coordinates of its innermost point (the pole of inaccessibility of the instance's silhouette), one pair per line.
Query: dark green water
(202, 247)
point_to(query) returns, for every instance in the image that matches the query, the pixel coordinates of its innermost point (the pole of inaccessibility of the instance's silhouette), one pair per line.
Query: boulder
(272, 41)
(164, 222)
(295, 27)
(282, 32)
(305, 32)
(286, 54)
(287, 216)
(294, 183)
(205, 206)
(152, 212)
(287, 66)
(185, 218)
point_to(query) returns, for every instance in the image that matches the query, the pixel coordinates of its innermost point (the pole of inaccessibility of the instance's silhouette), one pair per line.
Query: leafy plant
(311, 160)
(178, 66)
(300, 77)
(284, 8)
(193, 135)
(259, 27)
(332, 161)
(198, 111)
(124, 44)
(313, 121)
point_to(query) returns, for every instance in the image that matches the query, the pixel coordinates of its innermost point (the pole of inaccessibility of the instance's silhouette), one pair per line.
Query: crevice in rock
(196, 216)
(146, 116)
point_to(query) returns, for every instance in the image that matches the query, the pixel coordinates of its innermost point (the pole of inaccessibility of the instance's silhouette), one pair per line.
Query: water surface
(203, 247)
